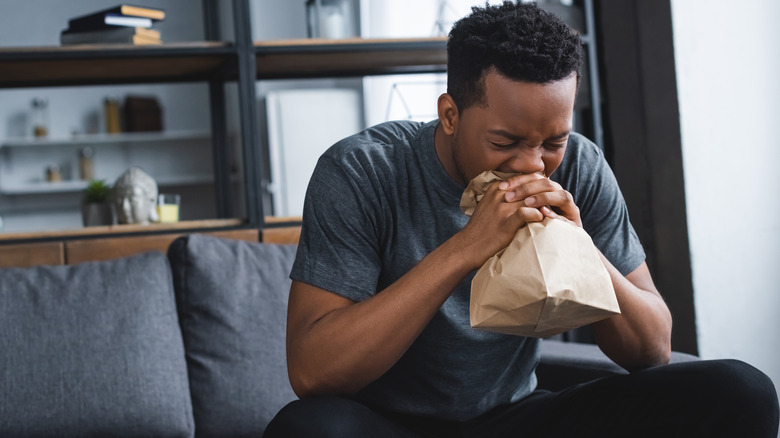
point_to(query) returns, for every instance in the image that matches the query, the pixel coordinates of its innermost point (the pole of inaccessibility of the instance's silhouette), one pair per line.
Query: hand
(495, 222)
(543, 193)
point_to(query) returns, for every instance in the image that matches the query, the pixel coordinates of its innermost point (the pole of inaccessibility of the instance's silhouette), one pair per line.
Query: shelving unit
(104, 139)
(214, 62)
(12, 184)
(218, 63)
(309, 58)
(102, 64)
(79, 185)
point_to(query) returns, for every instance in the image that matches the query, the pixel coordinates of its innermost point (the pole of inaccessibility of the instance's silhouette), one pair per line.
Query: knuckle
(525, 191)
(529, 214)
(492, 192)
(518, 214)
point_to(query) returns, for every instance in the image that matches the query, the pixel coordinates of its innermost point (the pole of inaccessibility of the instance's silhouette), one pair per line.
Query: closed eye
(558, 144)
(502, 145)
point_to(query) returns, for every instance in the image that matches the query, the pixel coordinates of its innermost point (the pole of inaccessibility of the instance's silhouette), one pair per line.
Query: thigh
(333, 417)
(693, 399)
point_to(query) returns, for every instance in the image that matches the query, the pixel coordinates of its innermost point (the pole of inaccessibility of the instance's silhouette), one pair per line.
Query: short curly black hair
(519, 40)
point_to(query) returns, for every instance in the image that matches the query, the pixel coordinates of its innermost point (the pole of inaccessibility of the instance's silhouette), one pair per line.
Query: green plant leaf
(97, 191)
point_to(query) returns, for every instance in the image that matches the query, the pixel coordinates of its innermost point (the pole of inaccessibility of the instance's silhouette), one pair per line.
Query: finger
(518, 180)
(531, 188)
(562, 200)
(559, 198)
(492, 194)
(551, 214)
(527, 215)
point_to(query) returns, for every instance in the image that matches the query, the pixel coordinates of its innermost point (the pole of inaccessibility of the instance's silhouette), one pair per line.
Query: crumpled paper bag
(549, 279)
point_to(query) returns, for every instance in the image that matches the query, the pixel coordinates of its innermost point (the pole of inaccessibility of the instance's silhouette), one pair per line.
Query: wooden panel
(79, 251)
(248, 235)
(282, 235)
(31, 254)
(180, 227)
(110, 63)
(296, 220)
(351, 57)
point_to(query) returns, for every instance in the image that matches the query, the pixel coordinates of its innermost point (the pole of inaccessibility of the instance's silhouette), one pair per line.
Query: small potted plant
(97, 208)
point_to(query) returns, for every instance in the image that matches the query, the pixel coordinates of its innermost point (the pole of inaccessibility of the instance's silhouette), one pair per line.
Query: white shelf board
(75, 186)
(97, 139)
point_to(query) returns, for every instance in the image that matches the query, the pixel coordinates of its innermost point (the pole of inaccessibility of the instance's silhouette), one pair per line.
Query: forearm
(353, 345)
(640, 336)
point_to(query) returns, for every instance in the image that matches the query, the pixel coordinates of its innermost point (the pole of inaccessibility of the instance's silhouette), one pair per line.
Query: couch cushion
(232, 298)
(92, 350)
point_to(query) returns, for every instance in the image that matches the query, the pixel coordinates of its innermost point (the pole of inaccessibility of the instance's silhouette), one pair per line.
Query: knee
(746, 383)
(320, 416)
(749, 392)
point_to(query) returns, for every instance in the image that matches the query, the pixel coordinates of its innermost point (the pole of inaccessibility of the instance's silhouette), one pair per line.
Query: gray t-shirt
(377, 203)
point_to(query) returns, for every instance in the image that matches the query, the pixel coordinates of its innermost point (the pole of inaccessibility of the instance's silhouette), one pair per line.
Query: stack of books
(121, 24)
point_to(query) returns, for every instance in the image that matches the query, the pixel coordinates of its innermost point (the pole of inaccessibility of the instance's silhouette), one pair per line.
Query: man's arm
(335, 345)
(640, 336)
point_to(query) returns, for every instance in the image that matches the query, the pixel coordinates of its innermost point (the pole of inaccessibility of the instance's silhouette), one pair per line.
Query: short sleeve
(587, 176)
(339, 249)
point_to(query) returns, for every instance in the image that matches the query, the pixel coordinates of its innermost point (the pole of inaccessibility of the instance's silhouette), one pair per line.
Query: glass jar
(331, 19)
(53, 173)
(86, 168)
(40, 117)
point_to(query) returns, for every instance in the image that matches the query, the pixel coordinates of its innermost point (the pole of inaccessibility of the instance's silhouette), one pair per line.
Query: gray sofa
(191, 344)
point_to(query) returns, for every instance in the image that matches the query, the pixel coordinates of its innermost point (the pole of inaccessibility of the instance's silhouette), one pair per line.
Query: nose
(526, 160)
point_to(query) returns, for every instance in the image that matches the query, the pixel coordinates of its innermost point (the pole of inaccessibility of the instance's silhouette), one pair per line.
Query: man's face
(523, 128)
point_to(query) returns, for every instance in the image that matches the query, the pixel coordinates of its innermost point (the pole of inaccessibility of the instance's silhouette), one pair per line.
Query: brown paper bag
(549, 279)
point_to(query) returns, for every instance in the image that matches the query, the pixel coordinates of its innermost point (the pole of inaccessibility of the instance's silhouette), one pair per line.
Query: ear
(448, 114)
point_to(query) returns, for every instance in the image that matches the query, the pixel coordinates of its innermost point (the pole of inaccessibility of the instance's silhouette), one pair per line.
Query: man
(379, 341)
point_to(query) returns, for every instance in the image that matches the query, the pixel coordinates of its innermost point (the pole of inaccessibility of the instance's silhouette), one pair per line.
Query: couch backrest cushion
(232, 299)
(92, 350)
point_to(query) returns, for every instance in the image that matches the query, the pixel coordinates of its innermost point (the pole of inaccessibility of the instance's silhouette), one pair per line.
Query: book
(131, 35)
(137, 11)
(108, 21)
(142, 114)
(123, 15)
(127, 10)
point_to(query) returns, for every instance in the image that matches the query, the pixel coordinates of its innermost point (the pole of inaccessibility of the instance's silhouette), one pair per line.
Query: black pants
(720, 398)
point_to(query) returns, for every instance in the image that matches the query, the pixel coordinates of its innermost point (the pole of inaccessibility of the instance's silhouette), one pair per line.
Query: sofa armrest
(564, 364)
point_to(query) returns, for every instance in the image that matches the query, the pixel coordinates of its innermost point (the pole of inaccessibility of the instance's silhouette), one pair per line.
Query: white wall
(411, 97)
(728, 58)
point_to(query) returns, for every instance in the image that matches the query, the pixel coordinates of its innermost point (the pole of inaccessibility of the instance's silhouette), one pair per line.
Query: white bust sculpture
(135, 197)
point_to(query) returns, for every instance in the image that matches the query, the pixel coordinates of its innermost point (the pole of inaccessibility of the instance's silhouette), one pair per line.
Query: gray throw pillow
(232, 300)
(92, 350)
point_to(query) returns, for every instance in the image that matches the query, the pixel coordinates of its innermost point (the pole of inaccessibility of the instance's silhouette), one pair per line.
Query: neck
(443, 146)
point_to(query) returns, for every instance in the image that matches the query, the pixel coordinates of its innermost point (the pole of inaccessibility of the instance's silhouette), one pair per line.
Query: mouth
(509, 174)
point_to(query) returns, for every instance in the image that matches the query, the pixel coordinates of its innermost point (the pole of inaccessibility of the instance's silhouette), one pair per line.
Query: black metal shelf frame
(217, 62)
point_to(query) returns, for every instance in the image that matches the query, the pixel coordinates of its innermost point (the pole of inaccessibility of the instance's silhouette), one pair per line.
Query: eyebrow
(561, 135)
(510, 136)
